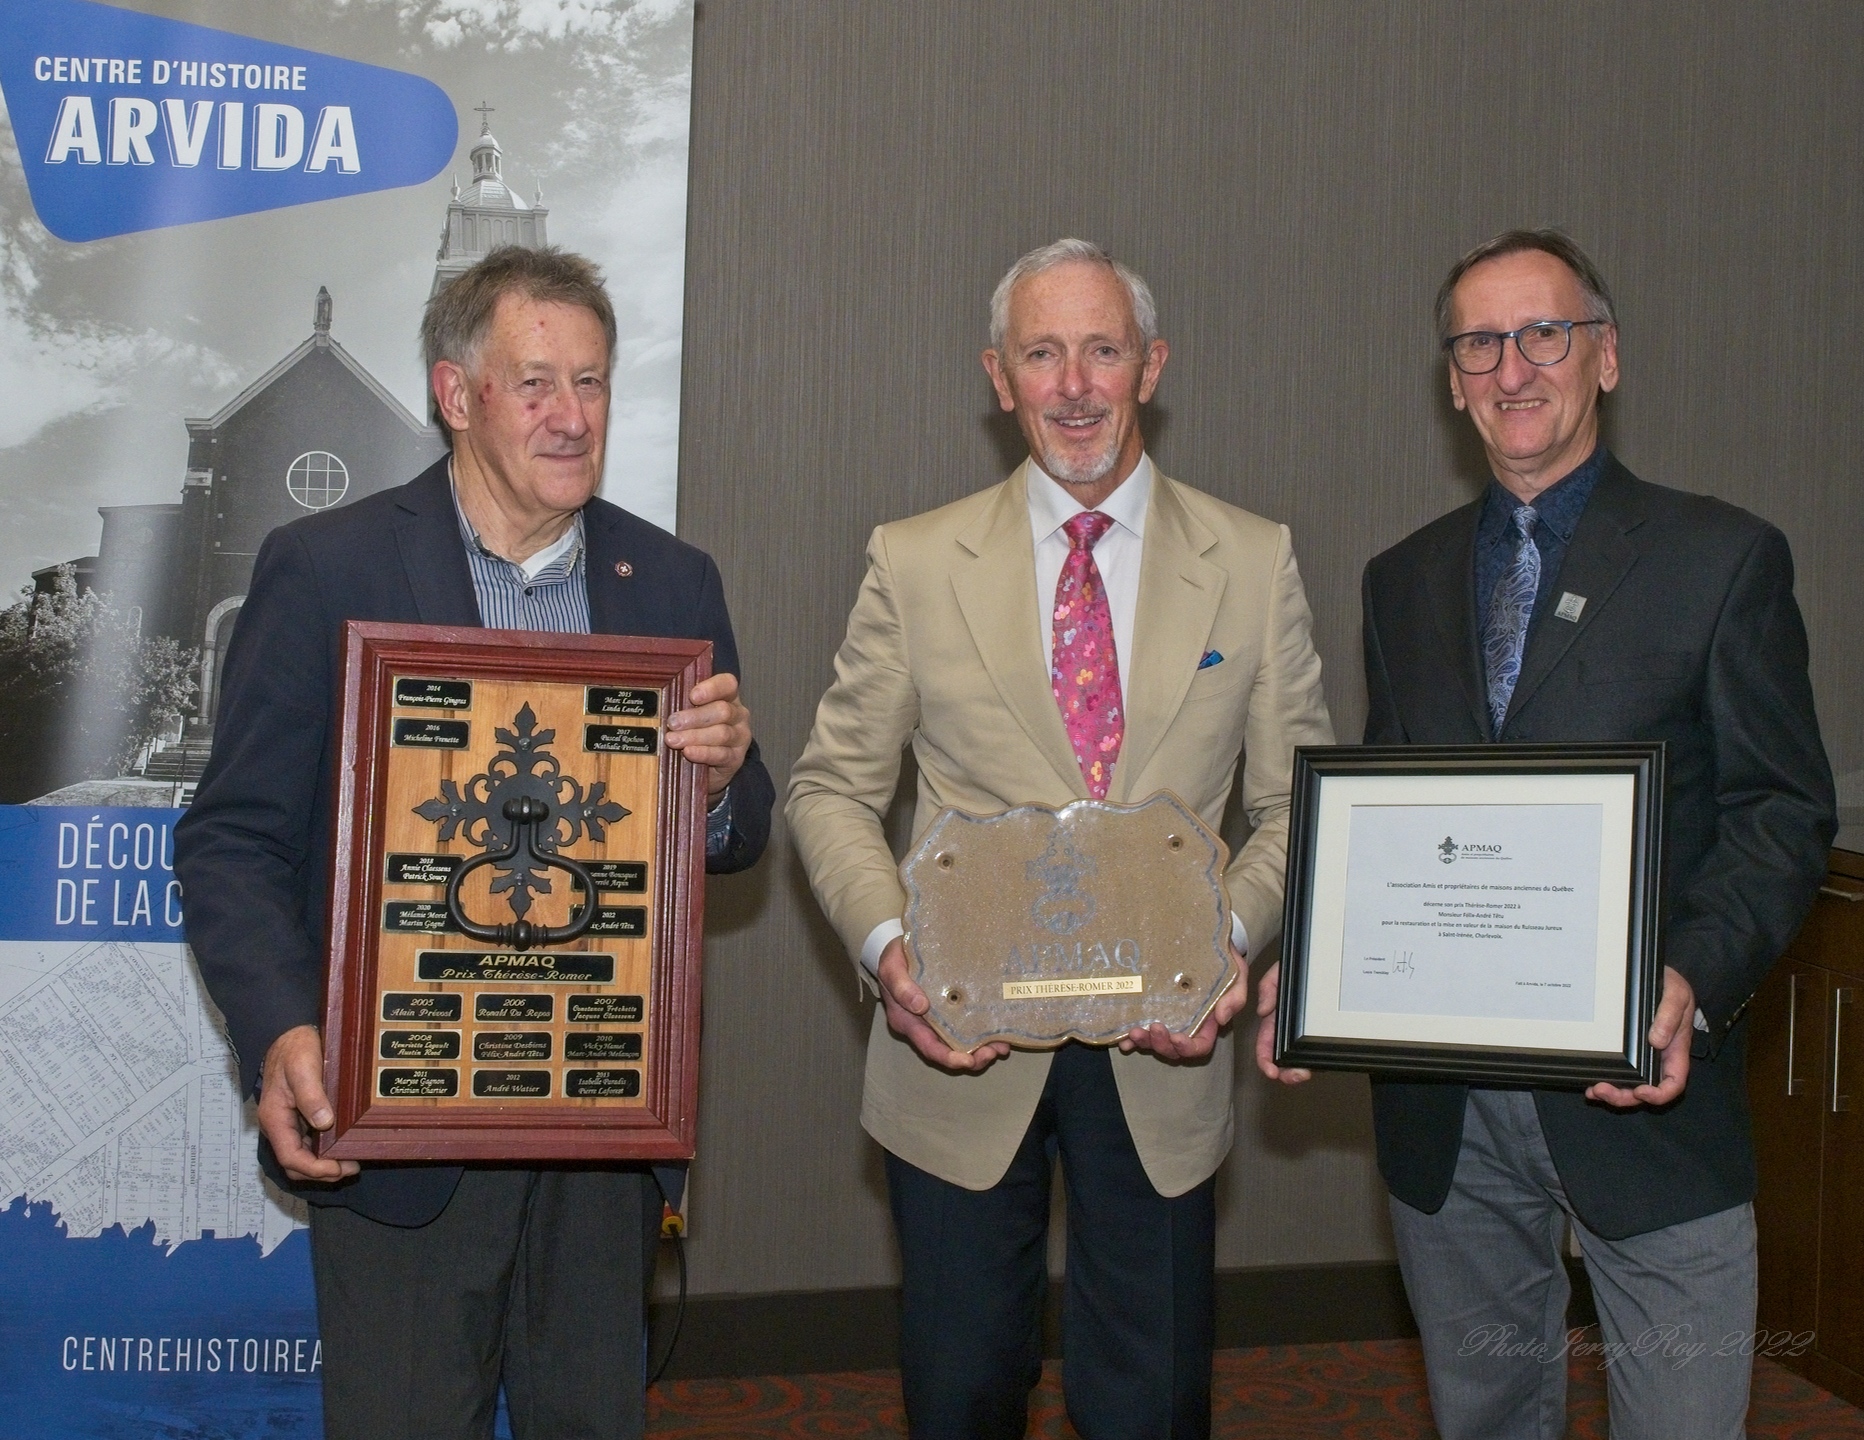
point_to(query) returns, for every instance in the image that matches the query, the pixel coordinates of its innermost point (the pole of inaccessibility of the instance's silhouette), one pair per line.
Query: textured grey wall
(1293, 178)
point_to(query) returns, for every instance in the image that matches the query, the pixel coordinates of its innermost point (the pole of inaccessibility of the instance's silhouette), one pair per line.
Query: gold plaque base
(1039, 926)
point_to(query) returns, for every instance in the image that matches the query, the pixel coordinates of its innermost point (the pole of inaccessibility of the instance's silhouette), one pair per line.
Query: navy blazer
(1690, 635)
(253, 851)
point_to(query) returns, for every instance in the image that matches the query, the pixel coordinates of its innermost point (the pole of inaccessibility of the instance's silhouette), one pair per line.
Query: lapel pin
(1570, 605)
(624, 569)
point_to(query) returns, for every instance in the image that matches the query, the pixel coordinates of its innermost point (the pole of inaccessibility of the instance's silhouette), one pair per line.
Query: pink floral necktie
(1084, 669)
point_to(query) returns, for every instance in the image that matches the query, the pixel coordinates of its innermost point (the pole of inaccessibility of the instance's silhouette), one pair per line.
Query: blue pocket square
(1211, 657)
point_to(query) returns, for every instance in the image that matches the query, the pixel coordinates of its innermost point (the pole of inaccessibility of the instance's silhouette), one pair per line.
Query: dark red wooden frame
(665, 1128)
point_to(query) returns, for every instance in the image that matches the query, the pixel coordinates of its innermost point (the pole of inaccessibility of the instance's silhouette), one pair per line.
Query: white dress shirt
(1117, 554)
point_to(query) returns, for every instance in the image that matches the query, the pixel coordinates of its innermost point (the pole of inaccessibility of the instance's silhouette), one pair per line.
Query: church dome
(488, 213)
(488, 190)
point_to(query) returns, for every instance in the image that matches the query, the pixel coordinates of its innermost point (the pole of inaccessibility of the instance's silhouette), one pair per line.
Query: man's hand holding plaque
(1102, 923)
(713, 730)
(293, 1106)
(1170, 1045)
(906, 1005)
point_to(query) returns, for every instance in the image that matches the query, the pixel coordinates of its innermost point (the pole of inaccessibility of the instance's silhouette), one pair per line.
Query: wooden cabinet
(1806, 1085)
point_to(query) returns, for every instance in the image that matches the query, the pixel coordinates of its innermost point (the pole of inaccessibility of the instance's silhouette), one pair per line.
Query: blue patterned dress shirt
(556, 599)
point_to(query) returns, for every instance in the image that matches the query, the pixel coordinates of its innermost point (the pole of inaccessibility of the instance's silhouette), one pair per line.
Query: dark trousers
(1137, 1309)
(530, 1277)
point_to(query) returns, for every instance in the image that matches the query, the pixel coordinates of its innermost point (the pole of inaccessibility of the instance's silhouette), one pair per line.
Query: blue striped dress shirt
(556, 599)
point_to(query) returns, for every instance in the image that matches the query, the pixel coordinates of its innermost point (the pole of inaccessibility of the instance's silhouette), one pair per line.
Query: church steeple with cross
(488, 213)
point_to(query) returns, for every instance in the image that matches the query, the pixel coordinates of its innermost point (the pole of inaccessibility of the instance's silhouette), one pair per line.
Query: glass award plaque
(516, 897)
(1038, 925)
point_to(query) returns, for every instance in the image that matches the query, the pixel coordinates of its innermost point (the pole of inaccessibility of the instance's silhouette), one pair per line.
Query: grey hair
(1556, 243)
(459, 317)
(1062, 252)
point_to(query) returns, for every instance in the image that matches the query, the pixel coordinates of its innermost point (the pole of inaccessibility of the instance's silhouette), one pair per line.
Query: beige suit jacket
(943, 653)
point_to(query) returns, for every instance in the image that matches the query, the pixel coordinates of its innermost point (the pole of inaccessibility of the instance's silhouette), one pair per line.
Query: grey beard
(1090, 470)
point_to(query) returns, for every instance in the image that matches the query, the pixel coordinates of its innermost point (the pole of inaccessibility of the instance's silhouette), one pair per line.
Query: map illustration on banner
(132, 122)
(121, 1128)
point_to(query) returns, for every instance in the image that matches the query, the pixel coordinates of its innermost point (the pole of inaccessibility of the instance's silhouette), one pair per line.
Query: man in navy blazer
(1574, 602)
(437, 1284)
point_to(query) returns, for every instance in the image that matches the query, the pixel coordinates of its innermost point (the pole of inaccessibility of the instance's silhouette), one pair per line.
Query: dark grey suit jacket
(1689, 635)
(253, 850)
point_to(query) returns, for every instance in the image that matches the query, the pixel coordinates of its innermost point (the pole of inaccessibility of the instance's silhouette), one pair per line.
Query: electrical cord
(679, 1313)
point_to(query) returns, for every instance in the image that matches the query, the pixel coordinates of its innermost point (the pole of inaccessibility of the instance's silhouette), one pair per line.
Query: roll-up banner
(219, 222)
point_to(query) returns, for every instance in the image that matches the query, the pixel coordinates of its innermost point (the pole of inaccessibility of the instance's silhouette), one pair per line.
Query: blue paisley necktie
(1510, 608)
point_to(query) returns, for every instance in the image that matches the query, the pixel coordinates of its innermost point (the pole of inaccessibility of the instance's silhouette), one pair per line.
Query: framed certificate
(1488, 913)
(516, 890)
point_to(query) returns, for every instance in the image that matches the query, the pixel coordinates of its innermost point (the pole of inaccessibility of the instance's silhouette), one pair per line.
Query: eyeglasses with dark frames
(1545, 342)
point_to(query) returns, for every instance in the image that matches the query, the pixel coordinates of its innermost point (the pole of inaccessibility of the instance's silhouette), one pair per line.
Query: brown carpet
(1372, 1390)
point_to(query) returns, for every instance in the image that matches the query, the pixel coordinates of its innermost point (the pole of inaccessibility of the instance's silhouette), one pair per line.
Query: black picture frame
(1314, 1032)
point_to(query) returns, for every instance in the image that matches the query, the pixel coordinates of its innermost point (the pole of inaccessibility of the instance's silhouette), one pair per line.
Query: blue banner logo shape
(131, 122)
(80, 874)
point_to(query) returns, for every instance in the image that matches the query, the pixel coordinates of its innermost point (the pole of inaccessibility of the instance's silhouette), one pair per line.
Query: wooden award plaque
(1038, 926)
(492, 785)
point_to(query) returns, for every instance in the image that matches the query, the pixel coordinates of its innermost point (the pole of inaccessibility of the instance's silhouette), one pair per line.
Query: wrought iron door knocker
(521, 810)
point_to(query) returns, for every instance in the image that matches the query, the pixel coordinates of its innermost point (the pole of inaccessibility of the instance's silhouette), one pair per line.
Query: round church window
(317, 479)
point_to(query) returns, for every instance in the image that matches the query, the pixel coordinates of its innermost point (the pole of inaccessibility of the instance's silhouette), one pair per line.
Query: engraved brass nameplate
(418, 694)
(632, 704)
(621, 877)
(421, 869)
(430, 734)
(511, 1084)
(420, 1044)
(420, 1083)
(420, 1005)
(511, 1045)
(605, 1009)
(627, 921)
(621, 739)
(514, 1009)
(416, 917)
(1038, 926)
(601, 1084)
(597, 1045)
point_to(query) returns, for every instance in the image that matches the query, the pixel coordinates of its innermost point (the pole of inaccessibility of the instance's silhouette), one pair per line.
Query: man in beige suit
(966, 643)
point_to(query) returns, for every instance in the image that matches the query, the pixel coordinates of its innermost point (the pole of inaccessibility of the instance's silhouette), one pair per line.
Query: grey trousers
(532, 1278)
(1488, 1286)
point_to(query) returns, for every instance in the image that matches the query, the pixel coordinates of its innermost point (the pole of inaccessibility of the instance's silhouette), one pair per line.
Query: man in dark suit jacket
(437, 1283)
(1575, 602)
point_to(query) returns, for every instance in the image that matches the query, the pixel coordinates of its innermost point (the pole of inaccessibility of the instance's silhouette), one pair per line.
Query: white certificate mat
(1484, 910)
(1480, 910)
